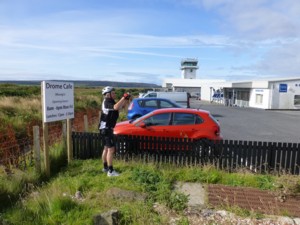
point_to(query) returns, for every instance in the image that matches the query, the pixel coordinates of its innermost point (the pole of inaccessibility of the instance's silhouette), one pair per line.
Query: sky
(145, 40)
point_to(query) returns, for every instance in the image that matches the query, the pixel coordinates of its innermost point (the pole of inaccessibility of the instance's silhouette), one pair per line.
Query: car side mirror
(142, 125)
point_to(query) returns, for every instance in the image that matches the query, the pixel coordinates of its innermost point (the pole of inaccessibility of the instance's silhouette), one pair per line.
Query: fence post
(86, 125)
(46, 149)
(36, 147)
(64, 134)
(69, 140)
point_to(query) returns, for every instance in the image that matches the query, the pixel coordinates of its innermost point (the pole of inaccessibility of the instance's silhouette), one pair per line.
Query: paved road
(254, 124)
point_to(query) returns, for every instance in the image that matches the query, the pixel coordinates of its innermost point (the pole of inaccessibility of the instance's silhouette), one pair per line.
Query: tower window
(191, 70)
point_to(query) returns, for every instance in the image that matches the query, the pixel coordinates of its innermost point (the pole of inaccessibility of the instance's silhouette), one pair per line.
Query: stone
(126, 195)
(107, 218)
(196, 192)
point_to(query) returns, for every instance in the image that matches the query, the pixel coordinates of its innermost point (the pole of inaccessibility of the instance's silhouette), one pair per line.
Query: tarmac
(253, 124)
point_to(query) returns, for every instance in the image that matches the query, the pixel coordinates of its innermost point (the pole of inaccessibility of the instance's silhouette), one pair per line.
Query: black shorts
(108, 138)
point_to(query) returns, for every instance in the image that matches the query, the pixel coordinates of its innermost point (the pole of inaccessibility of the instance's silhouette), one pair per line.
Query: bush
(178, 201)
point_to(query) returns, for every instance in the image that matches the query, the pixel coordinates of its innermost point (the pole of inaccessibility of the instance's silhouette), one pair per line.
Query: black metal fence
(259, 157)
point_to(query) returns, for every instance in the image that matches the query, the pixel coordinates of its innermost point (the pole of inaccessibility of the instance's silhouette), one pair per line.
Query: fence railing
(260, 157)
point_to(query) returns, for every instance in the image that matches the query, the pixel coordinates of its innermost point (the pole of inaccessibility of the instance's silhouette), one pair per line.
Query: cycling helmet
(107, 89)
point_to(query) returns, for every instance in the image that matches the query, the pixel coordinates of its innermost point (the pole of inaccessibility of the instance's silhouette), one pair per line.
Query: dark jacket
(109, 116)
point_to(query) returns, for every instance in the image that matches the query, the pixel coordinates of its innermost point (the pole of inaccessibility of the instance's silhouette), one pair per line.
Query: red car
(173, 122)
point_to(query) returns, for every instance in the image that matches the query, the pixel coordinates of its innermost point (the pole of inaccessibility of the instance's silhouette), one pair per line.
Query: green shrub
(148, 179)
(178, 201)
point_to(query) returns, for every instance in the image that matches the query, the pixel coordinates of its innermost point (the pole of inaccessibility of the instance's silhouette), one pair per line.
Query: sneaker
(112, 174)
(105, 170)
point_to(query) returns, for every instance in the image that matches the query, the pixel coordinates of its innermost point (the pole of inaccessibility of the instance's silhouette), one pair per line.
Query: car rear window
(198, 119)
(140, 102)
(186, 119)
(150, 104)
(165, 104)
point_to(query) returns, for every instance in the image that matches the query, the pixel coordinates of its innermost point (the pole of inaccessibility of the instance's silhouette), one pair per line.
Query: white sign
(58, 100)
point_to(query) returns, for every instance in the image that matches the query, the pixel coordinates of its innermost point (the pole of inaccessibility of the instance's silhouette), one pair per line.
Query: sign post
(57, 104)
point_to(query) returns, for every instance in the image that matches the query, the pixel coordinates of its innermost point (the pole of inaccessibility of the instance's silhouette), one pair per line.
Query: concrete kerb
(196, 192)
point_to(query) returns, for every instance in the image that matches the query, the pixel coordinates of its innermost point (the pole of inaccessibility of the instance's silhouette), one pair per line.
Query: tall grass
(17, 183)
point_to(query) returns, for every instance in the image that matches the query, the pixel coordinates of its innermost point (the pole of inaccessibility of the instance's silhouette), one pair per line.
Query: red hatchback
(173, 122)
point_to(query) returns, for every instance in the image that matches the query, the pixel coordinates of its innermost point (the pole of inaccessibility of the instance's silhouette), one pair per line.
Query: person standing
(108, 120)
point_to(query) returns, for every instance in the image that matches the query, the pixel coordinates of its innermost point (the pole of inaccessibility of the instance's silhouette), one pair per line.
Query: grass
(53, 202)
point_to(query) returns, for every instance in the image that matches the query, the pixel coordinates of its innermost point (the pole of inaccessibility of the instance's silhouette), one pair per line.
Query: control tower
(189, 68)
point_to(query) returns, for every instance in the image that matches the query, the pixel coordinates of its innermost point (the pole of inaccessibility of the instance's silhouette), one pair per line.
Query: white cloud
(284, 61)
(250, 37)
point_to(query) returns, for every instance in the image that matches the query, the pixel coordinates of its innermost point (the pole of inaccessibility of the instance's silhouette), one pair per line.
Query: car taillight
(217, 131)
(130, 106)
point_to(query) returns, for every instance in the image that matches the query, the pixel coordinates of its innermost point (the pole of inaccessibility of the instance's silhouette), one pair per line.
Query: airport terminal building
(266, 94)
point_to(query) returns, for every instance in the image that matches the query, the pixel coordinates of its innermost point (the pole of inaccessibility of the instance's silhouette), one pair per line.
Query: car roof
(183, 110)
(152, 98)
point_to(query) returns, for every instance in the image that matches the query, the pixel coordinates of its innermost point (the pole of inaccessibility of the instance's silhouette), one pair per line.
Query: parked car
(173, 122)
(141, 106)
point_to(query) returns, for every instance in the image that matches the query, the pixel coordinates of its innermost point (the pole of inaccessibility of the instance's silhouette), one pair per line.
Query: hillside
(90, 83)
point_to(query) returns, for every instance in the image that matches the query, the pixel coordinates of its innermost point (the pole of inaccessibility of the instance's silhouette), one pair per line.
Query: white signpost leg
(46, 149)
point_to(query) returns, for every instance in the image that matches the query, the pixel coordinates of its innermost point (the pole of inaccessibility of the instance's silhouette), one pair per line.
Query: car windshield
(140, 118)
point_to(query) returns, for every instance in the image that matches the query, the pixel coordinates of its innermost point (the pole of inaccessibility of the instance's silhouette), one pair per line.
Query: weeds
(178, 201)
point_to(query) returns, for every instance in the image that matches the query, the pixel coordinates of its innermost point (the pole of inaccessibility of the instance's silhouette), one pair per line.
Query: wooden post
(86, 125)
(36, 147)
(46, 149)
(69, 140)
(64, 134)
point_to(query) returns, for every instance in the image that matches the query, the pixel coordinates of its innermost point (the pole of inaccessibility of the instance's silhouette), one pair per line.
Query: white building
(266, 94)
